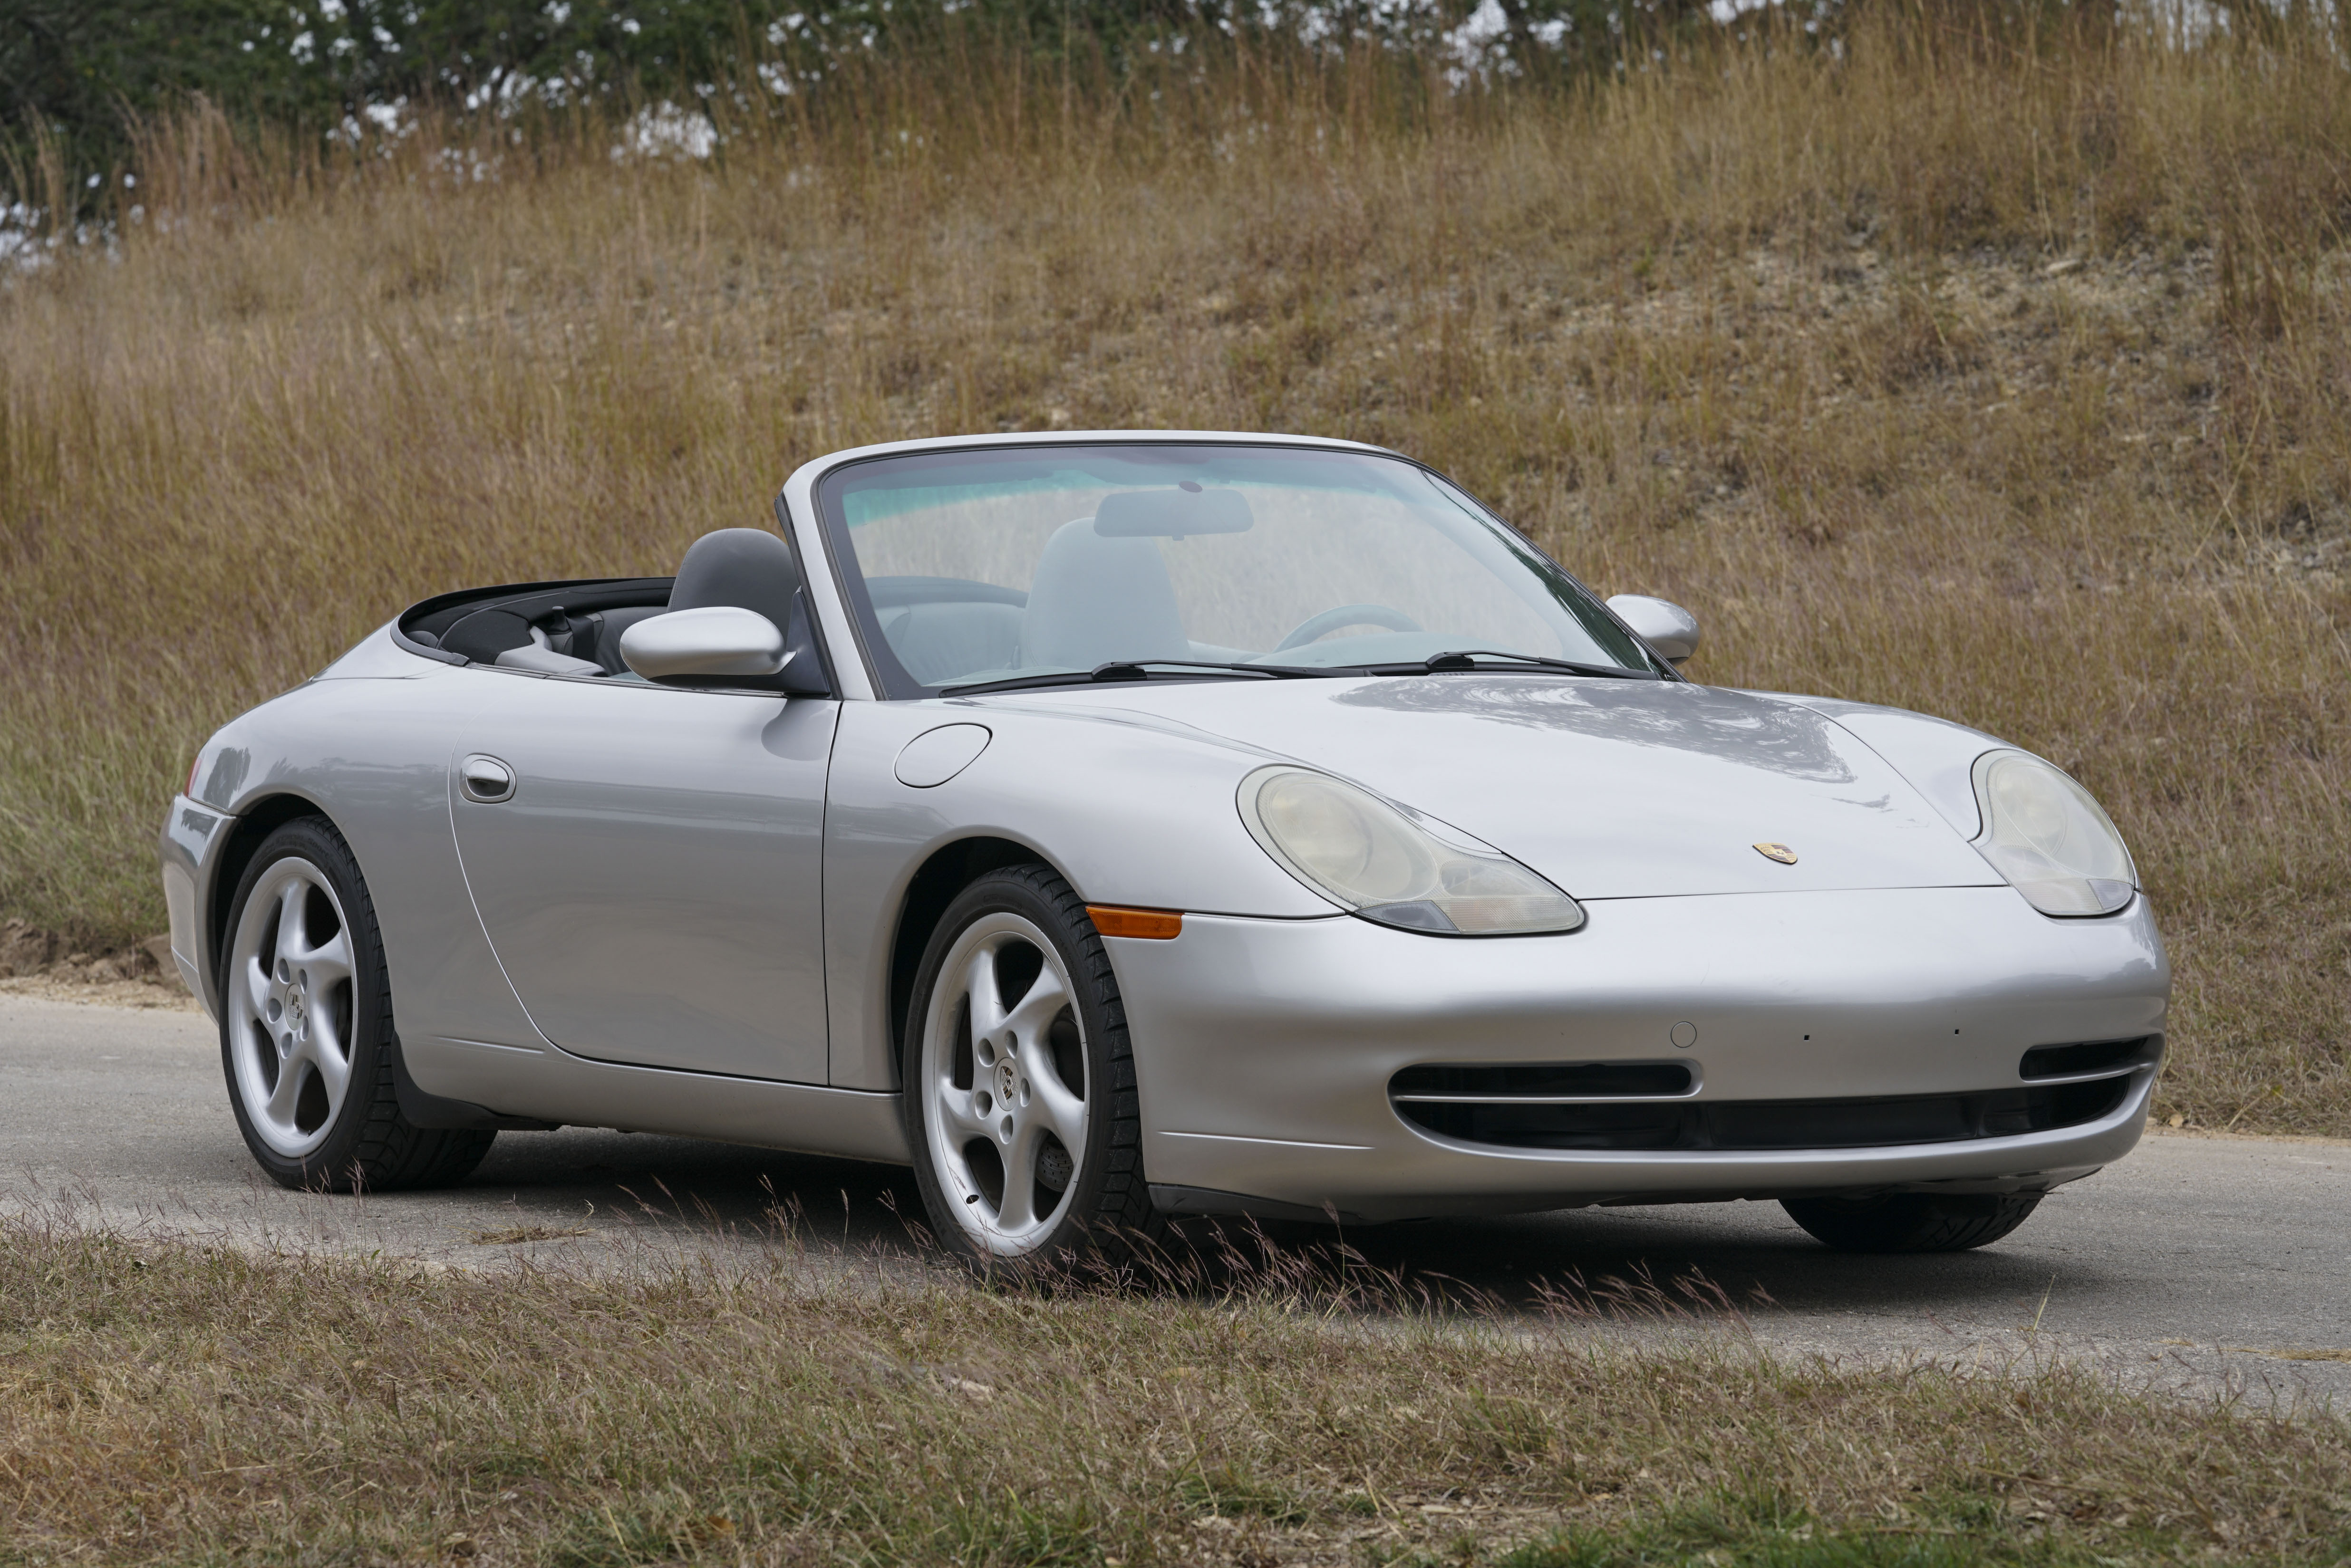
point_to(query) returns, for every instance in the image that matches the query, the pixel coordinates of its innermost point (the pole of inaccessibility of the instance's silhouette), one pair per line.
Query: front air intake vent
(1523, 1081)
(2088, 1059)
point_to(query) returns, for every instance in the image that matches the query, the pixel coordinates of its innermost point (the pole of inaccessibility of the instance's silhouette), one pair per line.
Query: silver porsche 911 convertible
(1131, 825)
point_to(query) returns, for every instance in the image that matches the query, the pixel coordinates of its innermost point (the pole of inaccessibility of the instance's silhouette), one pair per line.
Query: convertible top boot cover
(752, 569)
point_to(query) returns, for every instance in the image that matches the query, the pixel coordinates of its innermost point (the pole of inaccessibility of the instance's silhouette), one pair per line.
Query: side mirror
(1662, 624)
(717, 641)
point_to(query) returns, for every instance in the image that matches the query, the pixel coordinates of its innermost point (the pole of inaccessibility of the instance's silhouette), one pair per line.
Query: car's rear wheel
(306, 1037)
(1912, 1221)
(1020, 1096)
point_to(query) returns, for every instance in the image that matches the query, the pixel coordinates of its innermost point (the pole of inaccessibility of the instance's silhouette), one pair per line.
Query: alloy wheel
(1004, 1081)
(290, 1001)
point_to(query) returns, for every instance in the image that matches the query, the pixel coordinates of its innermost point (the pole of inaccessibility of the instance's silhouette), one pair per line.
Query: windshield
(1012, 563)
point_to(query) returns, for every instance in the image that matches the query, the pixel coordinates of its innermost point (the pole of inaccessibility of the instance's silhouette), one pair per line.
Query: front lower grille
(2090, 1058)
(1769, 1124)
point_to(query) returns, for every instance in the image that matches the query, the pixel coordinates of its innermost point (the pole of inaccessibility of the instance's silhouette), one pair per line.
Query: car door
(646, 862)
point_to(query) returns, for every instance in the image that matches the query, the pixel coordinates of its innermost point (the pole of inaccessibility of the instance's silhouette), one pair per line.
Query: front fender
(371, 756)
(1936, 756)
(1130, 809)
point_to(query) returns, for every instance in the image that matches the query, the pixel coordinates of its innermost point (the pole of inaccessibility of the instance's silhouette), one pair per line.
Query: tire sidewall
(1912, 1222)
(331, 1166)
(1087, 1219)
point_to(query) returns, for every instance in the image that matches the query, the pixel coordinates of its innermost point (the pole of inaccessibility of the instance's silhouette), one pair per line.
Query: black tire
(1108, 1207)
(1912, 1221)
(364, 1143)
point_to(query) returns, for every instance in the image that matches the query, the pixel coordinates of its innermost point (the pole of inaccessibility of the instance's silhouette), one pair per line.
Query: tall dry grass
(2006, 378)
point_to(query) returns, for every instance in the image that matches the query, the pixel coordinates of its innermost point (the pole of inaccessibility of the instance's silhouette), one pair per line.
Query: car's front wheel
(1912, 1221)
(307, 1038)
(1020, 1096)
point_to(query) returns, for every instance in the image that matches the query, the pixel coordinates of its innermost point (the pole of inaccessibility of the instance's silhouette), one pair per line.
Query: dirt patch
(40, 963)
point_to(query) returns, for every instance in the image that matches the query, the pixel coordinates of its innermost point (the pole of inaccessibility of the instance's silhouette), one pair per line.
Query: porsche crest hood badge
(1779, 852)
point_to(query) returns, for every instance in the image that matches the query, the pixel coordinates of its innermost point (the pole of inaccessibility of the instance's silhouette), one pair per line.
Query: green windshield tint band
(869, 492)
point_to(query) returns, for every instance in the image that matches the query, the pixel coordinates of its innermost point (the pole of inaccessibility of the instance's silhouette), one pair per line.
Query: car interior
(573, 629)
(968, 587)
(941, 628)
(1094, 598)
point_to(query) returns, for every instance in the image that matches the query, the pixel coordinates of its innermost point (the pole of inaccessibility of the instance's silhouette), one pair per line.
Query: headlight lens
(2053, 842)
(1370, 857)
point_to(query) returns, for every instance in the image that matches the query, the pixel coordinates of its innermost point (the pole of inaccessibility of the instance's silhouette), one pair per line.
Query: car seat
(1096, 601)
(752, 569)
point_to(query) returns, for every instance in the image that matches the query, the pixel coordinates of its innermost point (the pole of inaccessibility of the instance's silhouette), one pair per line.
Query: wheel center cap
(1005, 1082)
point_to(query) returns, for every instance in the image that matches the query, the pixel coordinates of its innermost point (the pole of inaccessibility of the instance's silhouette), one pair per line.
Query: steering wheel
(1314, 626)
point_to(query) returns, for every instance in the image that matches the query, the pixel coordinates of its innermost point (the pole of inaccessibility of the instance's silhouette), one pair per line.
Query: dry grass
(2009, 380)
(165, 1403)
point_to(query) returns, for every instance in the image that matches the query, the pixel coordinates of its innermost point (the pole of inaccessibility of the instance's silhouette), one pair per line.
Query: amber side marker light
(1157, 924)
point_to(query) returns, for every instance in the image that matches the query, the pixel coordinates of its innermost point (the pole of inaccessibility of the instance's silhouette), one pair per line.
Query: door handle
(485, 779)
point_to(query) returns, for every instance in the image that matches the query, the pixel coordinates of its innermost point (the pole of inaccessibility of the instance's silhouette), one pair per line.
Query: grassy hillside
(2007, 379)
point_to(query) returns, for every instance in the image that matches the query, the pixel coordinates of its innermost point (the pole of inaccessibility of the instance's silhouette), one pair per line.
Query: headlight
(2053, 842)
(1366, 855)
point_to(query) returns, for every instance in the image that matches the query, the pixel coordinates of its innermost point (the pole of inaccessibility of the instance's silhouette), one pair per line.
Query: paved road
(2195, 1260)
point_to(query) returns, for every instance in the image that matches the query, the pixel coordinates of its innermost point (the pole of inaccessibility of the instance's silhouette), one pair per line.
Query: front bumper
(195, 836)
(1264, 1048)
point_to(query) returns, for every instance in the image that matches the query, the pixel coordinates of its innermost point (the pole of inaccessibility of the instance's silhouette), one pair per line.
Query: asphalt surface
(2195, 1263)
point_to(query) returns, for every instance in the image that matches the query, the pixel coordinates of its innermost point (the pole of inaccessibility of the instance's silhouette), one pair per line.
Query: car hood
(1613, 789)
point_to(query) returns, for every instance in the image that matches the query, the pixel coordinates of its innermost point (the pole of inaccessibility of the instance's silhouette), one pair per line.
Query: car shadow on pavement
(1694, 1259)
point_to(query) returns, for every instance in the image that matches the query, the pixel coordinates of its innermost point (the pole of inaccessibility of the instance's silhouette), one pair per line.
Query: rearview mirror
(1171, 513)
(718, 640)
(1662, 624)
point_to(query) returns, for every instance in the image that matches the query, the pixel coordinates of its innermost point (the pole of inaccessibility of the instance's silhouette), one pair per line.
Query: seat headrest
(742, 568)
(1096, 599)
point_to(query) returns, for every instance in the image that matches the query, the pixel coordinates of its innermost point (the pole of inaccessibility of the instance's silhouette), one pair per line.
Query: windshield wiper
(1467, 659)
(1140, 669)
(1137, 669)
